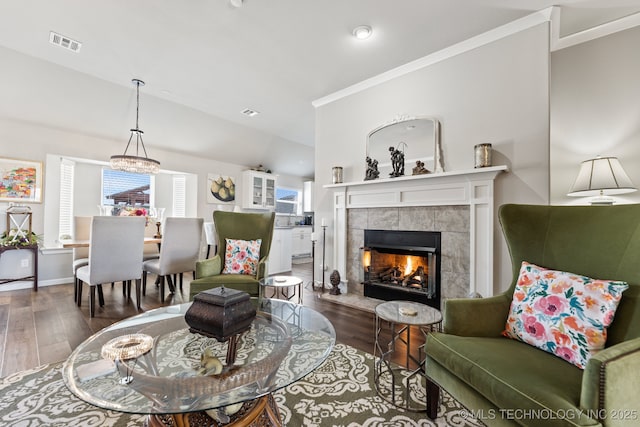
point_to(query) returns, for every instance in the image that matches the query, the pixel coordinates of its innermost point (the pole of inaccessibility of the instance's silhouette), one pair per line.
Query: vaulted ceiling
(204, 61)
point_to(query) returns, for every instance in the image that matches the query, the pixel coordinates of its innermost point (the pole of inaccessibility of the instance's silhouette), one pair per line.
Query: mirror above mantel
(418, 137)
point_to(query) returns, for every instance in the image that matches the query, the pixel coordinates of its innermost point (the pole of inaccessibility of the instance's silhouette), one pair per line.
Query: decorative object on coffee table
(223, 314)
(334, 278)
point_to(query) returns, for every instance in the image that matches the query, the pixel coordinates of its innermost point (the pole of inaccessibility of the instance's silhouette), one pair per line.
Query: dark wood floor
(45, 326)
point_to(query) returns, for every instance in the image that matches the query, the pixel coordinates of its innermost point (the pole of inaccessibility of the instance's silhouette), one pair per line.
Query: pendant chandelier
(137, 163)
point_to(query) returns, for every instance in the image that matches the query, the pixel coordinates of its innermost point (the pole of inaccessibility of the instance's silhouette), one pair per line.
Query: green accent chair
(507, 382)
(235, 225)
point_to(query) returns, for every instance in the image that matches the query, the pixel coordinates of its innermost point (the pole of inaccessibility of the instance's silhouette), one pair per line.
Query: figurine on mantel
(419, 169)
(372, 169)
(397, 161)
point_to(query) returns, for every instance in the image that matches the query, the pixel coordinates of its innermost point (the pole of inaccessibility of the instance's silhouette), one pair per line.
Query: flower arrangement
(15, 238)
(134, 211)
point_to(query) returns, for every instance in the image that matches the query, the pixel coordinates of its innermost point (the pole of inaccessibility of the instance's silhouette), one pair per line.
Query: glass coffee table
(175, 383)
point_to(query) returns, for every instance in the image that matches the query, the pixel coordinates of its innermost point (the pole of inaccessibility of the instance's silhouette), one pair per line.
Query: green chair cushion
(528, 379)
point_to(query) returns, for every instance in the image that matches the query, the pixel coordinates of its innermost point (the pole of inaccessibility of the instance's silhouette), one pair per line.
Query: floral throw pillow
(562, 313)
(241, 256)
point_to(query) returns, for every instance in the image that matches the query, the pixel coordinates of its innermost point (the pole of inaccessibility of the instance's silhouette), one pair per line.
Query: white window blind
(65, 221)
(179, 195)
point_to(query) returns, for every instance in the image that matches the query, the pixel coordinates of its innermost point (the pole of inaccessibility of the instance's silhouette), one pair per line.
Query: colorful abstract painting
(20, 181)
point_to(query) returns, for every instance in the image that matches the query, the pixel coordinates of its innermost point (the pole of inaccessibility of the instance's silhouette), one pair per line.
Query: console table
(34, 276)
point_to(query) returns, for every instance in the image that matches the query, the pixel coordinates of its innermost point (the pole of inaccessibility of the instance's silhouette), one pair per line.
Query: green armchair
(507, 382)
(234, 225)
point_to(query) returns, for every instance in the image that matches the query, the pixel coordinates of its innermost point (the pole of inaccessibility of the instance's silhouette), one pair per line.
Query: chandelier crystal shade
(137, 163)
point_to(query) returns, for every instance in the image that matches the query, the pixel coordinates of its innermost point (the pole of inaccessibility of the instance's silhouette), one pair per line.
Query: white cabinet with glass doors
(259, 190)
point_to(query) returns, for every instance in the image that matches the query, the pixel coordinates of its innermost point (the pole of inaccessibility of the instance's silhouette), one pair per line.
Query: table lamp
(601, 177)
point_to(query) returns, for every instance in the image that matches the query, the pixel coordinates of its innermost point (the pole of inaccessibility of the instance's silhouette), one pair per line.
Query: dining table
(84, 243)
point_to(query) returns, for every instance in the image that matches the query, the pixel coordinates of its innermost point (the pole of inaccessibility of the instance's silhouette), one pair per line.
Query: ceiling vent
(65, 42)
(249, 112)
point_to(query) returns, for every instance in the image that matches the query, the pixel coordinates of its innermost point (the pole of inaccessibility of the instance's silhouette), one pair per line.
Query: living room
(545, 107)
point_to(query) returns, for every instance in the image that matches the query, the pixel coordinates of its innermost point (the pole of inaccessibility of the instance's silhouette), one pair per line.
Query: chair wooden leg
(79, 288)
(433, 395)
(138, 286)
(170, 283)
(181, 277)
(100, 295)
(144, 283)
(75, 288)
(92, 301)
(161, 288)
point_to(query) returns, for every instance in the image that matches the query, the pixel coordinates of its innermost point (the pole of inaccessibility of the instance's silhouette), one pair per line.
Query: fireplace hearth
(402, 265)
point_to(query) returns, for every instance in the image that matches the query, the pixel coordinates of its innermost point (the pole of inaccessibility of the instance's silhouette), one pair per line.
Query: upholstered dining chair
(212, 240)
(81, 231)
(238, 226)
(179, 251)
(150, 251)
(115, 255)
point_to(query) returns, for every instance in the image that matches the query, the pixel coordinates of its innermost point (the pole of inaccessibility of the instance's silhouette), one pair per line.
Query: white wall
(595, 110)
(497, 93)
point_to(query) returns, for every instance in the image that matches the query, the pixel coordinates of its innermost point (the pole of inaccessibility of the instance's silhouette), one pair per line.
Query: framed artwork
(20, 181)
(220, 188)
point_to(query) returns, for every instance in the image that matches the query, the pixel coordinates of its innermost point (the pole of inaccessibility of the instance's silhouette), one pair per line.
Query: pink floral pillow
(241, 256)
(562, 313)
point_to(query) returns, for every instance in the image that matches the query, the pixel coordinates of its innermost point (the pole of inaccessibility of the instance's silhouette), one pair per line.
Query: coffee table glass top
(279, 349)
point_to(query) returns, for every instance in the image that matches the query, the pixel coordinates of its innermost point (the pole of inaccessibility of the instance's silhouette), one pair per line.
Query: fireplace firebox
(402, 265)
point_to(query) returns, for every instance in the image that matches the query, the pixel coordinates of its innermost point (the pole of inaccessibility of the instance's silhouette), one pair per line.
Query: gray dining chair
(81, 231)
(179, 251)
(115, 255)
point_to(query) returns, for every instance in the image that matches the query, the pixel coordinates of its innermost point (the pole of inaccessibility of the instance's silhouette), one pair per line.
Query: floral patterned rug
(340, 392)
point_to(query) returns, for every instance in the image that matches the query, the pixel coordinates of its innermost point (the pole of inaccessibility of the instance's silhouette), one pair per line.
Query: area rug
(339, 393)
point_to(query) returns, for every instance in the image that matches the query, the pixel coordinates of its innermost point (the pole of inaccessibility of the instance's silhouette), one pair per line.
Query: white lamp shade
(602, 175)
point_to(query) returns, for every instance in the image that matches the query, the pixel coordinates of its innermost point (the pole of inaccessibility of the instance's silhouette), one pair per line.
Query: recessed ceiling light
(362, 32)
(249, 112)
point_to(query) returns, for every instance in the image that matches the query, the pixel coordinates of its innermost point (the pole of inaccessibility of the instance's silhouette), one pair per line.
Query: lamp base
(602, 201)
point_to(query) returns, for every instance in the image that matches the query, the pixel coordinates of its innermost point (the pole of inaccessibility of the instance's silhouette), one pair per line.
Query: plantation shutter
(65, 221)
(179, 195)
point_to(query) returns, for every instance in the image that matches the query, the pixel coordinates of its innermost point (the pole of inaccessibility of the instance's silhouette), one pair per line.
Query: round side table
(282, 285)
(399, 371)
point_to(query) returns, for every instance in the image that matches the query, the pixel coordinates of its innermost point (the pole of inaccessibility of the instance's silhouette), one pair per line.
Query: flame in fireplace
(408, 269)
(366, 259)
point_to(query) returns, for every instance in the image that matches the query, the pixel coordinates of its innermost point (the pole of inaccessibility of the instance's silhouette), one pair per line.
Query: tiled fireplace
(459, 205)
(402, 265)
(451, 223)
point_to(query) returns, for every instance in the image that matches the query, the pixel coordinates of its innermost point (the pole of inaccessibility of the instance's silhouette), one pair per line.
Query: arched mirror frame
(434, 166)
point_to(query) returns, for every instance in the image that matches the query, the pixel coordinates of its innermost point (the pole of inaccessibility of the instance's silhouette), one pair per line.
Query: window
(288, 201)
(125, 189)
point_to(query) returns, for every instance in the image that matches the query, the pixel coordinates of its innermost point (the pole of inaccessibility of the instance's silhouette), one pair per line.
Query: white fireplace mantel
(473, 188)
